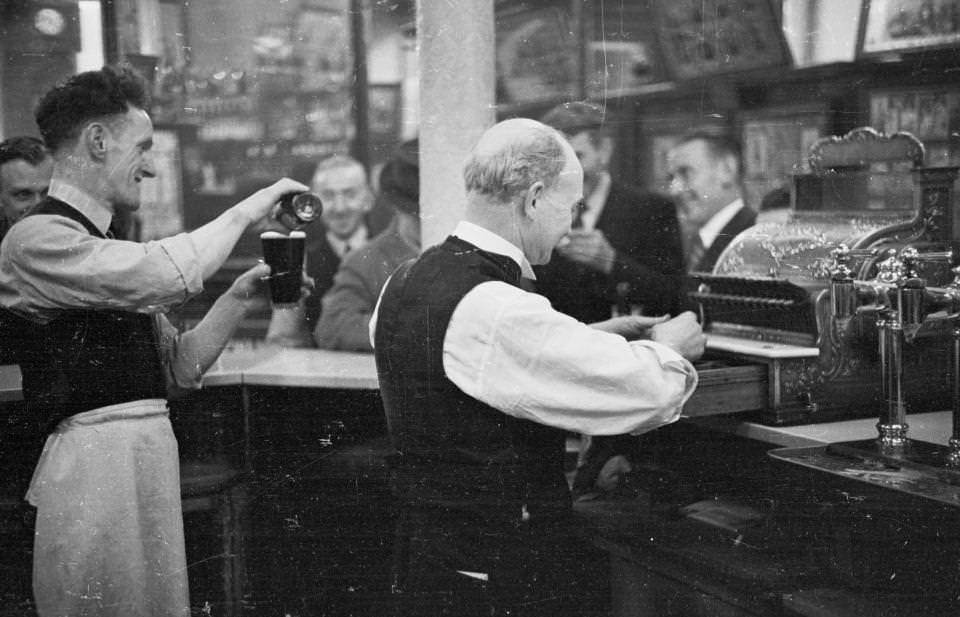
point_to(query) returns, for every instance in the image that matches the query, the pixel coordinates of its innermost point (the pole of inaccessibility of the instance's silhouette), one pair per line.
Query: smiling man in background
(342, 184)
(25, 169)
(705, 177)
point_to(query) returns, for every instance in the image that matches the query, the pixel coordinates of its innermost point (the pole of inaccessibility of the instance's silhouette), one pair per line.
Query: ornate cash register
(849, 310)
(813, 307)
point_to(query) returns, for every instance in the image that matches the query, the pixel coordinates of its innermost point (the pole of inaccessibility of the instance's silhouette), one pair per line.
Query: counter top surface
(304, 368)
(316, 368)
(934, 427)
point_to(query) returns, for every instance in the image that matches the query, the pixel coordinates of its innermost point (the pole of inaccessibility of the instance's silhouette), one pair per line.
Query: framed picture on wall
(776, 144)
(383, 121)
(708, 37)
(537, 54)
(908, 25)
(622, 55)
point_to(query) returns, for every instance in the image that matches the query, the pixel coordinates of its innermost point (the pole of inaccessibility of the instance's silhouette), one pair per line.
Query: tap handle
(909, 260)
(840, 268)
(890, 270)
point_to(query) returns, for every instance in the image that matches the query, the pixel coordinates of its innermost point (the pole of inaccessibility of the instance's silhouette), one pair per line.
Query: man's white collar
(710, 231)
(96, 211)
(486, 240)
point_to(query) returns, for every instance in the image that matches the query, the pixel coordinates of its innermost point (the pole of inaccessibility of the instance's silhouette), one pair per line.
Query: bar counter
(315, 368)
(713, 523)
(298, 368)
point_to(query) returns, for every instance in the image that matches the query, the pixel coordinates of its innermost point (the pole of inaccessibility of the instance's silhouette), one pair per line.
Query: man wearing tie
(705, 178)
(624, 251)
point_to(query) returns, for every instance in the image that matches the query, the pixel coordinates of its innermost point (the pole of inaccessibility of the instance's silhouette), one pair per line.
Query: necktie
(695, 251)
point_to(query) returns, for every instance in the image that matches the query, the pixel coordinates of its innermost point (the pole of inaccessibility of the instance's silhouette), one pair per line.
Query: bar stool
(218, 491)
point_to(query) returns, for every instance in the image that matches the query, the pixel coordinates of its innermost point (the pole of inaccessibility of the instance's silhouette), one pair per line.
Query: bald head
(523, 181)
(512, 155)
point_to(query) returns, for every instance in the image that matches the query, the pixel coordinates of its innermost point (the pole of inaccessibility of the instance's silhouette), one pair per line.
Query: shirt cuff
(670, 358)
(182, 252)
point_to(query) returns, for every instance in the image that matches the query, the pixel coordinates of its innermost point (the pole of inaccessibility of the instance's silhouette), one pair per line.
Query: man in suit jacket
(623, 255)
(705, 178)
(625, 250)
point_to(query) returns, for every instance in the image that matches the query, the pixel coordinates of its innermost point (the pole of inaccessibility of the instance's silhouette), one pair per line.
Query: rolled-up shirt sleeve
(180, 372)
(511, 350)
(57, 264)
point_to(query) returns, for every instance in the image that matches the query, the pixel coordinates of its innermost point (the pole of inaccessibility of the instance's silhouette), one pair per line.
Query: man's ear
(95, 140)
(532, 199)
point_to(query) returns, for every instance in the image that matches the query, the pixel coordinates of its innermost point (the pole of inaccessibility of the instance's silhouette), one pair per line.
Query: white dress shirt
(713, 227)
(509, 349)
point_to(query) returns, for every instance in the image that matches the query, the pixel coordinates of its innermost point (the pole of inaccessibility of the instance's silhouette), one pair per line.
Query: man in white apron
(84, 312)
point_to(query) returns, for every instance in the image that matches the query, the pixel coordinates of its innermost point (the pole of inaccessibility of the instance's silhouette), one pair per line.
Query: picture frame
(776, 143)
(701, 38)
(621, 52)
(383, 113)
(383, 120)
(538, 55)
(888, 26)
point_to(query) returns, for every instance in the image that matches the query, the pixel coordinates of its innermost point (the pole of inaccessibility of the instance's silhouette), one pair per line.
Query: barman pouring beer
(86, 311)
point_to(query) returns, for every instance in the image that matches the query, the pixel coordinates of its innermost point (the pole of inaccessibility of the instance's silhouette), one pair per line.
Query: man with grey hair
(481, 379)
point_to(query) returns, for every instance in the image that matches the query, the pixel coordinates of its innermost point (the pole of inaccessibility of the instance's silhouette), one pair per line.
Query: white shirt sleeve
(512, 350)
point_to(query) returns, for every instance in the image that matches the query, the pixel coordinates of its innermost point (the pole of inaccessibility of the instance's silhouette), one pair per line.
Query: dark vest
(84, 358)
(454, 450)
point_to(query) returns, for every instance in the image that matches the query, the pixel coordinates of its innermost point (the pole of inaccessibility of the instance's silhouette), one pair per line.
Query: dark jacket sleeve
(648, 268)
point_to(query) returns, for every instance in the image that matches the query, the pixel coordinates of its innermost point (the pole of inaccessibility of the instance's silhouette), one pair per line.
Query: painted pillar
(457, 81)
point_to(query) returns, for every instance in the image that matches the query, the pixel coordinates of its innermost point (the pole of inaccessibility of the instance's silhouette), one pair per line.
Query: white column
(457, 81)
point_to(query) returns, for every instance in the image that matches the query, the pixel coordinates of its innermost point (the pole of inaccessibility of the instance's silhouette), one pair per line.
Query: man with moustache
(624, 249)
(623, 253)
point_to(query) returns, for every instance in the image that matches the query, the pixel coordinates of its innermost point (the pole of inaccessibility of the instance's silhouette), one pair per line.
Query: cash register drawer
(727, 386)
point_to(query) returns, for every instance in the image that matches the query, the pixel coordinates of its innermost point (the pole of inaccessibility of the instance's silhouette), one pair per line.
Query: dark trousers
(532, 568)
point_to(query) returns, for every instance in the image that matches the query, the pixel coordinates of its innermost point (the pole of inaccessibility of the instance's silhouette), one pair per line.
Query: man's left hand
(250, 288)
(589, 248)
